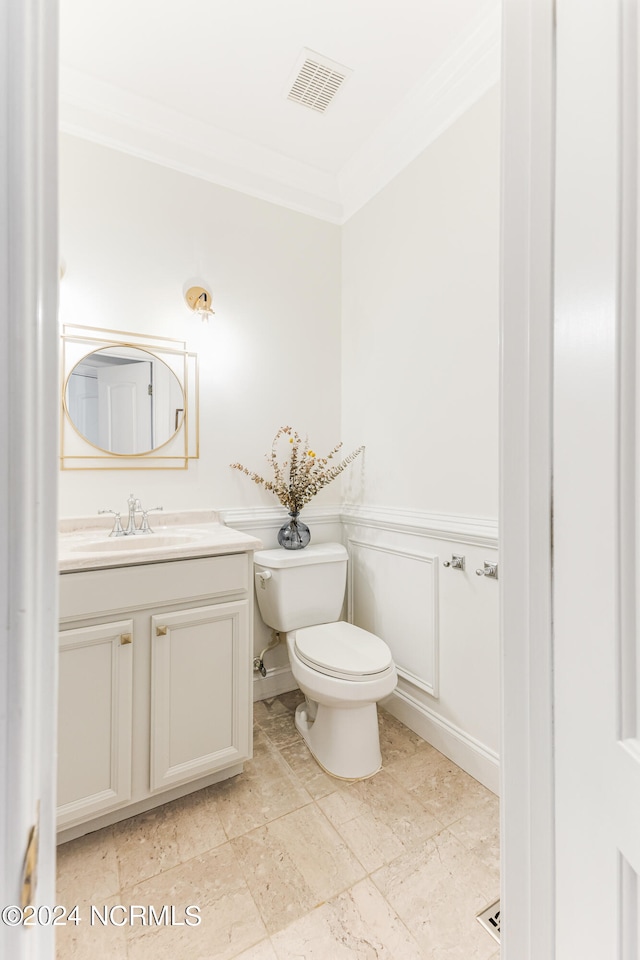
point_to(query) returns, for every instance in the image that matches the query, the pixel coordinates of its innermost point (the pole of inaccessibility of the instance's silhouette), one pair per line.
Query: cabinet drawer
(90, 593)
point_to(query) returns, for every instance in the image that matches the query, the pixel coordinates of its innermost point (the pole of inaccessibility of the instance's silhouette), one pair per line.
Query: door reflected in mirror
(124, 400)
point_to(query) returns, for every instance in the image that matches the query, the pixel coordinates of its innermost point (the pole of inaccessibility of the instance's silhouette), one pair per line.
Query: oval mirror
(124, 400)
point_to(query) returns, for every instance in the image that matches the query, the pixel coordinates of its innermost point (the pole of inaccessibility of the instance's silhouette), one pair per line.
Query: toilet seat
(342, 650)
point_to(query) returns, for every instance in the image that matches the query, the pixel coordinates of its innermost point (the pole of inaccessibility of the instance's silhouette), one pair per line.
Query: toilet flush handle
(263, 576)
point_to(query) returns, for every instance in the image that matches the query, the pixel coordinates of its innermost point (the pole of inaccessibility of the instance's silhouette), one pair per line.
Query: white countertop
(84, 542)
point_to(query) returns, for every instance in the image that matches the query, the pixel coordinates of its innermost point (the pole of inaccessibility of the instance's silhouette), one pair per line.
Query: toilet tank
(300, 588)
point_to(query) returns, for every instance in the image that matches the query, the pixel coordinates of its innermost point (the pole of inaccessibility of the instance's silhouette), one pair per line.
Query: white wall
(420, 326)
(420, 273)
(132, 233)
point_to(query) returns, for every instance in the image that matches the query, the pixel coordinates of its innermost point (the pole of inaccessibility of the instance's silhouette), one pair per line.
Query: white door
(82, 402)
(125, 414)
(597, 481)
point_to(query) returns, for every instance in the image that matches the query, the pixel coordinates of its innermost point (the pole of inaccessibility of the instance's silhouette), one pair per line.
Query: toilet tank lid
(315, 553)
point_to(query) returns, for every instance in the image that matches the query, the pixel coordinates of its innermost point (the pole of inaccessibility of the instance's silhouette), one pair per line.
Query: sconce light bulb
(198, 299)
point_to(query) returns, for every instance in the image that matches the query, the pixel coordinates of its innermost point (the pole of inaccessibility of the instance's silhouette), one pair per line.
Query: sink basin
(85, 544)
(150, 541)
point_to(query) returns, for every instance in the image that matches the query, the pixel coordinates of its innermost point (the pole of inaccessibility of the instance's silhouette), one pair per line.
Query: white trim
(447, 91)
(467, 752)
(105, 114)
(478, 531)
(28, 455)
(528, 158)
(272, 518)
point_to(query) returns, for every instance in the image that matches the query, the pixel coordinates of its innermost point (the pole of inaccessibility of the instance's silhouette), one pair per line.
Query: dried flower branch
(298, 479)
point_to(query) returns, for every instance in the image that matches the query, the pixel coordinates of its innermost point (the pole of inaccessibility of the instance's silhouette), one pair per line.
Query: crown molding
(445, 93)
(103, 113)
(108, 115)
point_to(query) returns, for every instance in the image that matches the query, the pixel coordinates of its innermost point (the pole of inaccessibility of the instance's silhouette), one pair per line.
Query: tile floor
(287, 863)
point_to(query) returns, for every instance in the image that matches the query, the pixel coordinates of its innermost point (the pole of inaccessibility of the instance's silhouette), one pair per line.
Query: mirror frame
(77, 453)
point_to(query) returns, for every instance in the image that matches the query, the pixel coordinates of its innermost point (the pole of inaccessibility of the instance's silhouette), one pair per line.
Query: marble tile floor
(287, 863)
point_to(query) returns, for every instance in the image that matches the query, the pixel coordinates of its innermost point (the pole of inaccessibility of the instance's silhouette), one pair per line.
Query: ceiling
(201, 86)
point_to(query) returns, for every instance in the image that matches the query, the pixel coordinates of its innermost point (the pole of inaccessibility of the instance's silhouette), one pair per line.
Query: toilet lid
(342, 649)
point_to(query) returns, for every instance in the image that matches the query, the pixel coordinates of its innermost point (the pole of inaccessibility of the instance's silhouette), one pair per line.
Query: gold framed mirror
(129, 401)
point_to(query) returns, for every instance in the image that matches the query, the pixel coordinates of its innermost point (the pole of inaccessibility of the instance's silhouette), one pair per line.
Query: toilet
(342, 670)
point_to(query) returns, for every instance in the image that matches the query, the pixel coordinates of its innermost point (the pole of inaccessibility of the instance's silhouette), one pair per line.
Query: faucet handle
(144, 525)
(117, 525)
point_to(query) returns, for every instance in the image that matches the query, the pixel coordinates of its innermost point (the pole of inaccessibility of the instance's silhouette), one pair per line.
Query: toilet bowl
(342, 670)
(339, 718)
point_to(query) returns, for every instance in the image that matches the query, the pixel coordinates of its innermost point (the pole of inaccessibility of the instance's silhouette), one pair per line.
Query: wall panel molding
(408, 621)
(272, 518)
(478, 531)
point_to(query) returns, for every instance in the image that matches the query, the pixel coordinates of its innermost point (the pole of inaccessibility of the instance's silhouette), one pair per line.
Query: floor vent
(490, 920)
(316, 80)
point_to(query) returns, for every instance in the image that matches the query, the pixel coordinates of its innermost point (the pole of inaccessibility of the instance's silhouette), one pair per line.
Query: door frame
(526, 405)
(29, 340)
(28, 30)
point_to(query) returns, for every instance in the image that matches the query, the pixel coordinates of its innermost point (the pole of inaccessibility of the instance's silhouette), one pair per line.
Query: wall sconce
(198, 299)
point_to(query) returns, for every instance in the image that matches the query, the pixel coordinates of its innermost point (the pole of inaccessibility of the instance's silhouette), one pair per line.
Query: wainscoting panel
(441, 624)
(393, 593)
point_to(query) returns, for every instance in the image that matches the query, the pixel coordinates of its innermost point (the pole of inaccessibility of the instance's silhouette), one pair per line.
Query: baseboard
(127, 810)
(473, 757)
(278, 680)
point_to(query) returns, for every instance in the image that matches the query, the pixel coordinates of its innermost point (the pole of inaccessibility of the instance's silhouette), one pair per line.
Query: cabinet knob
(161, 631)
(125, 638)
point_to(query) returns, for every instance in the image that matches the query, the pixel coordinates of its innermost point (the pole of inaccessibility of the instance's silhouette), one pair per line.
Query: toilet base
(345, 742)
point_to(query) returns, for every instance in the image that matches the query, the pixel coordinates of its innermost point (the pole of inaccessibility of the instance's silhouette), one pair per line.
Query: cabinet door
(200, 692)
(94, 720)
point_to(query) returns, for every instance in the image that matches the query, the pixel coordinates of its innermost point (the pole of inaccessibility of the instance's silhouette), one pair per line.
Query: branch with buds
(297, 479)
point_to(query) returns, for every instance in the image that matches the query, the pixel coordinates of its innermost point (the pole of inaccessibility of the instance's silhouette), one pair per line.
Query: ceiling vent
(316, 81)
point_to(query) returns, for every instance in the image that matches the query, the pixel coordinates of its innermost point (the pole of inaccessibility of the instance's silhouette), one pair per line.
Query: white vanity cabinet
(154, 685)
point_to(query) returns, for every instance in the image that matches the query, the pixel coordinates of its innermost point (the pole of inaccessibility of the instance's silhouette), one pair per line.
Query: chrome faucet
(135, 507)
